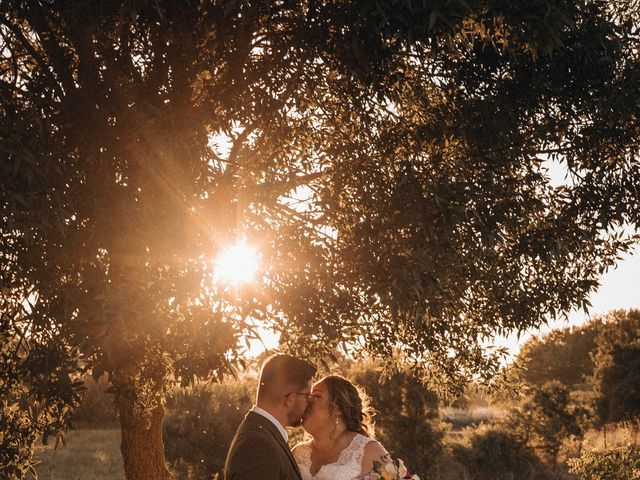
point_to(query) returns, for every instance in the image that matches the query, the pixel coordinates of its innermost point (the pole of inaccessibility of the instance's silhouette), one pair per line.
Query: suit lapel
(273, 430)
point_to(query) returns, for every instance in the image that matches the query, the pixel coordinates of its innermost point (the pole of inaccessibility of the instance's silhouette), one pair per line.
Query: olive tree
(386, 158)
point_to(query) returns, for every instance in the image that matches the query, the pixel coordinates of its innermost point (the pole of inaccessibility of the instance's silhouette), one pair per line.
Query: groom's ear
(289, 399)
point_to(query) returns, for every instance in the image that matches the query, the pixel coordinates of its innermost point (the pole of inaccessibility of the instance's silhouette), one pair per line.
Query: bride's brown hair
(352, 403)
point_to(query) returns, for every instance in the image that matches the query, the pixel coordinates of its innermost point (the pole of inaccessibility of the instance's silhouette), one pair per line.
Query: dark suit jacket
(258, 452)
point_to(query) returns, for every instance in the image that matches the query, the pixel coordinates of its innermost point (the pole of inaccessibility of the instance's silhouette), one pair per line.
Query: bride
(342, 445)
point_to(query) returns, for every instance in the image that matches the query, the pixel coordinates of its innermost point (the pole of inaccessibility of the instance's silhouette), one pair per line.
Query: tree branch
(34, 54)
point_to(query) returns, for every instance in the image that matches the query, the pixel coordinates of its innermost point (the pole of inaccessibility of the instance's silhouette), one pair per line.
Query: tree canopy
(616, 374)
(564, 355)
(597, 362)
(387, 158)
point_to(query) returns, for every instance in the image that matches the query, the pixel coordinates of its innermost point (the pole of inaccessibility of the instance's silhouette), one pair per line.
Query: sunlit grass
(614, 436)
(93, 454)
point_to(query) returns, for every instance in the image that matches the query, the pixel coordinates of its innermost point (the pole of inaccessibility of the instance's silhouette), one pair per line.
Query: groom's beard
(297, 420)
(295, 417)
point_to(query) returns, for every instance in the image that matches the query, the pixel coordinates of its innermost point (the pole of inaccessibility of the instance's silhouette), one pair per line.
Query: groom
(259, 450)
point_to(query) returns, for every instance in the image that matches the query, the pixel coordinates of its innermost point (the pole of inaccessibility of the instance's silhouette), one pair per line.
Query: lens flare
(236, 264)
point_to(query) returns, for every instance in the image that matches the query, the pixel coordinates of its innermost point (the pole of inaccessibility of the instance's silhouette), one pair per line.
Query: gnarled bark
(142, 446)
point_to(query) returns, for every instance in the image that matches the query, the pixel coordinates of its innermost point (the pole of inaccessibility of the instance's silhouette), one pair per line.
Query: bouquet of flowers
(388, 470)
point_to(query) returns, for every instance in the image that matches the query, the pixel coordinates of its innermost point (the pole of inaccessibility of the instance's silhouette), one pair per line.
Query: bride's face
(319, 414)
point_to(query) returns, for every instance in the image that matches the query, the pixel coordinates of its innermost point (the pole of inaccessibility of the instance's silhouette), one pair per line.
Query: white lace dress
(348, 465)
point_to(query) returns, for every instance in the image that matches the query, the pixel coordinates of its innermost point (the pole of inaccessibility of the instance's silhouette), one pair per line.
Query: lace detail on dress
(348, 465)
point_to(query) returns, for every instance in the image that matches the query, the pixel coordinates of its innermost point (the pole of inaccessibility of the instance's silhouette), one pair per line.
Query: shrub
(545, 418)
(407, 422)
(17, 438)
(97, 409)
(35, 401)
(200, 423)
(491, 453)
(616, 464)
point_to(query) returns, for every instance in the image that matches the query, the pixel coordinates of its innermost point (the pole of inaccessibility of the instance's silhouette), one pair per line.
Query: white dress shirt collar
(272, 419)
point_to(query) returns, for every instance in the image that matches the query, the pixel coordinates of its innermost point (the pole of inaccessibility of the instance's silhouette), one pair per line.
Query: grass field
(89, 454)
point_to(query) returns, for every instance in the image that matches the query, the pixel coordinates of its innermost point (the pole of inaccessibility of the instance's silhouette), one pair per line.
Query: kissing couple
(332, 411)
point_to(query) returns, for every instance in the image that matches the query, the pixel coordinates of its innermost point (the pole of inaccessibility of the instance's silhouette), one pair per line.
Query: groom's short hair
(283, 371)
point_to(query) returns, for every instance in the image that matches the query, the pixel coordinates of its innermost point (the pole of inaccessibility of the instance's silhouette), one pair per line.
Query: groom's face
(299, 404)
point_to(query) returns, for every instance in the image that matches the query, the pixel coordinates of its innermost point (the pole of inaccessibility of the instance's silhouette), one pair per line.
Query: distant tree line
(598, 362)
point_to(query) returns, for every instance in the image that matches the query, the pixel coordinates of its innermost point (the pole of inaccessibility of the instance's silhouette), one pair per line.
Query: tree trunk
(142, 446)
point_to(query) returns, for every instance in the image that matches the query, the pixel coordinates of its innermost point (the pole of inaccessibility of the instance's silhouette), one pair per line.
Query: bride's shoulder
(374, 447)
(374, 452)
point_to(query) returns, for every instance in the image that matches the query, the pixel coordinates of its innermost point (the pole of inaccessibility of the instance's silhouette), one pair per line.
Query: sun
(236, 264)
